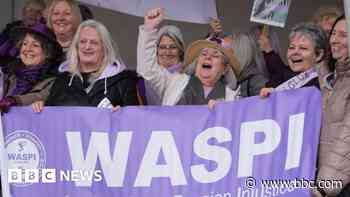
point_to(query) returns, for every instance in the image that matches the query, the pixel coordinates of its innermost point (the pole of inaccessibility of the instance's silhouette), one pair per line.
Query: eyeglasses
(167, 47)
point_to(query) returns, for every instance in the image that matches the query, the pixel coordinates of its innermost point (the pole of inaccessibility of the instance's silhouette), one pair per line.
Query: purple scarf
(26, 78)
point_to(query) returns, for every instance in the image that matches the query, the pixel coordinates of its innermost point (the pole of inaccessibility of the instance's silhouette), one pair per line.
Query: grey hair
(246, 50)
(315, 33)
(175, 34)
(110, 49)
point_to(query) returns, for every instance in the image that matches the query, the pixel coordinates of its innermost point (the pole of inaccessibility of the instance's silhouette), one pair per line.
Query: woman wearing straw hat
(209, 74)
(29, 78)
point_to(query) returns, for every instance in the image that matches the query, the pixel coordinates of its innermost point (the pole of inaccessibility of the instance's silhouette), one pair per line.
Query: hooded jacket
(334, 148)
(115, 84)
(251, 81)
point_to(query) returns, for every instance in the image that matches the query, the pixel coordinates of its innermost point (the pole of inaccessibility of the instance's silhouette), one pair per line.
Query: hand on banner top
(116, 108)
(211, 104)
(153, 18)
(38, 106)
(265, 92)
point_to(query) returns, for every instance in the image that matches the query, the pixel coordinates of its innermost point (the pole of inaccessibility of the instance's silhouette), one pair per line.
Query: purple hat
(41, 30)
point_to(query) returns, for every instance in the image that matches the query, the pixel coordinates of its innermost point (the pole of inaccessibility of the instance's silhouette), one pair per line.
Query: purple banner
(238, 149)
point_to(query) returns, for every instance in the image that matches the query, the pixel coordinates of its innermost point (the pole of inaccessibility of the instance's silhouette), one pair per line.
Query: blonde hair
(110, 50)
(75, 11)
(326, 12)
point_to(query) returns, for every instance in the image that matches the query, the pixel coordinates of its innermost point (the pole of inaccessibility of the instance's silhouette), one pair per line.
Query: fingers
(154, 13)
(154, 17)
(264, 43)
(38, 106)
(211, 104)
(216, 26)
(116, 108)
(265, 92)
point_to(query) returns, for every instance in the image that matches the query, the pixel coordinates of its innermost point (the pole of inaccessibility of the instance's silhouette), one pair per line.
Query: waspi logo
(25, 151)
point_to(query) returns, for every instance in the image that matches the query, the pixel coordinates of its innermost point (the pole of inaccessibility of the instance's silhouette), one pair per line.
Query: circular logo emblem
(25, 151)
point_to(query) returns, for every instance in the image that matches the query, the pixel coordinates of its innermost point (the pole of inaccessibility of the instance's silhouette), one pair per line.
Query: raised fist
(153, 18)
(216, 27)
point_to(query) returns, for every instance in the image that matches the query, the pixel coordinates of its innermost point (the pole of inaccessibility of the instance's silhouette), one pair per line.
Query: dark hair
(332, 61)
(52, 53)
(85, 12)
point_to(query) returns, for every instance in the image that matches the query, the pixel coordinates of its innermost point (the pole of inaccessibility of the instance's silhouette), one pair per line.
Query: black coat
(121, 90)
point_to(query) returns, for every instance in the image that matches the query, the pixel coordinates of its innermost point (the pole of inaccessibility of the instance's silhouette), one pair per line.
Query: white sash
(298, 81)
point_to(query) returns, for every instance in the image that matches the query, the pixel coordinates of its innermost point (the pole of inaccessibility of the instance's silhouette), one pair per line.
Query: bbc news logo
(30, 176)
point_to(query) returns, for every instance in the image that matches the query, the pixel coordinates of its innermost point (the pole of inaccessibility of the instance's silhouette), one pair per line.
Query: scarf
(193, 93)
(26, 78)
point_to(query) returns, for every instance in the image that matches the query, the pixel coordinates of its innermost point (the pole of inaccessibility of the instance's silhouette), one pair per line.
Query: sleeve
(276, 68)
(55, 91)
(257, 82)
(147, 65)
(130, 94)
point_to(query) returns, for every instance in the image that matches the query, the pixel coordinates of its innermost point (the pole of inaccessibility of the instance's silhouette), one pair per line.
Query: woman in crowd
(334, 148)
(251, 79)
(169, 55)
(325, 17)
(96, 76)
(308, 46)
(29, 78)
(63, 18)
(207, 63)
(269, 44)
(32, 13)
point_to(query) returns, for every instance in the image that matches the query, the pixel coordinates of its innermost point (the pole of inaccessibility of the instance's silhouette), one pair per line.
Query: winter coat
(119, 87)
(251, 81)
(38, 87)
(39, 92)
(334, 148)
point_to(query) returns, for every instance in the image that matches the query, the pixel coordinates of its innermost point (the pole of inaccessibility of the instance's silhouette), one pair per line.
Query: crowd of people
(58, 55)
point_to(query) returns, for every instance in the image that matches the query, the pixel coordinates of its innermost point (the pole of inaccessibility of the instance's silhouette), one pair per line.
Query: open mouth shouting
(207, 66)
(295, 61)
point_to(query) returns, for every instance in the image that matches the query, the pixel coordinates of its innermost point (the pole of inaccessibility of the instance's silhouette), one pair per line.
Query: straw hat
(195, 48)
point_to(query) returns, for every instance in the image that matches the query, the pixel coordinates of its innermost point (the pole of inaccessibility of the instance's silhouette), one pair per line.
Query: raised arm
(147, 65)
